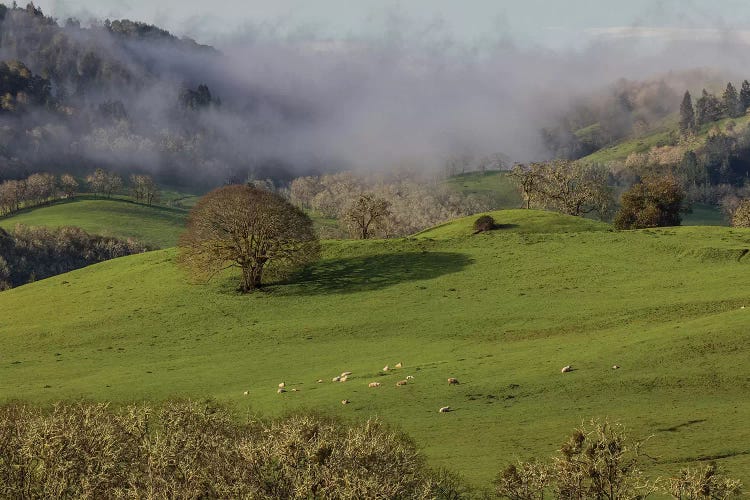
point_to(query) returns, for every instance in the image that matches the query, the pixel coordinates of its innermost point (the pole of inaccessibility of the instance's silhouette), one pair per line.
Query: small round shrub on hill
(484, 223)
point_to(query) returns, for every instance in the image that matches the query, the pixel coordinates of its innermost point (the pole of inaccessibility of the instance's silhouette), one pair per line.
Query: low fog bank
(132, 97)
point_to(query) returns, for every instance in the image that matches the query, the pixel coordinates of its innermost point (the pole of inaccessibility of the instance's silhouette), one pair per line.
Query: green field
(154, 225)
(501, 311)
(493, 184)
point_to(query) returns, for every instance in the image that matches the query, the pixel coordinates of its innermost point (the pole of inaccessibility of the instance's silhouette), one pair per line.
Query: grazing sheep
(280, 390)
(346, 374)
(399, 365)
(444, 409)
(373, 384)
(320, 380)
(409, 377)
(452, 381)
(566, 369)
(345, 401)
(245, 393)
(343, 379)
(386, 368)
(615, 367)
(336, 379)
(282, 385)
(401, 382)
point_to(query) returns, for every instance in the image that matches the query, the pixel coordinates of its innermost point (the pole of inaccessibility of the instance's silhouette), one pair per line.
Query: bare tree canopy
(565, 186)
(365, 214)
(254, 230)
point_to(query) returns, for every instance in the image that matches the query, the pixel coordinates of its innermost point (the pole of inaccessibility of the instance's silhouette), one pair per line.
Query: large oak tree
(254, 230)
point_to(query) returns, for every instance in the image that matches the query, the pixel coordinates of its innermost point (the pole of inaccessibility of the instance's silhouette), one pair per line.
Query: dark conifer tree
(745, 96)
(731, 102)
(687, 115)
(707, 109)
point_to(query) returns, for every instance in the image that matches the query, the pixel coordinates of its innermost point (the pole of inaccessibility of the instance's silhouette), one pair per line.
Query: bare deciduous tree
(250, 229)
(144, 189)
(565, 186)
(68, 185)
(366, 214)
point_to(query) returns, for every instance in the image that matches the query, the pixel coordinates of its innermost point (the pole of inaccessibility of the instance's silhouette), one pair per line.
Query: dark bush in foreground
(197, 450)
(32, 253)
(484, 223)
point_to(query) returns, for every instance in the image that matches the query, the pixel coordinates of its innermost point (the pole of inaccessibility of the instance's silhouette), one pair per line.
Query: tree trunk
(251, 278)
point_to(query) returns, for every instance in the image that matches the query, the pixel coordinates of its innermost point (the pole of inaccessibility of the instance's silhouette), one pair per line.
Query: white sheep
(615, 367)
(401, 382)
(346, 374)
(444, 409)
(409, 377)
(399, 365)
(452, 381)
(282, 385)
(386, 368)
(336, 379)
(373, 384)
(345, 401)
(343, 379)
(246, 393)
(566, 369)
(280, 390)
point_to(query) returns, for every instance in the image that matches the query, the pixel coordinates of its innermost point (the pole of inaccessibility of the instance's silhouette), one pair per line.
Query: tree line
(710, 108)
(379, 206)
(28, 254)
(44, 188)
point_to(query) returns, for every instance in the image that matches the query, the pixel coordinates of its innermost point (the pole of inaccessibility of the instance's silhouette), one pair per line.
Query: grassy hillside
(494, 184)
(620, 151)
(159, 226)
(502, 311)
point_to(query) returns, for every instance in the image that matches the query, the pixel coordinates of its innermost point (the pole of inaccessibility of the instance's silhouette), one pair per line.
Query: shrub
(654, 202)
(484, 223)
(741, 215)
(187, 449)
(702, 483)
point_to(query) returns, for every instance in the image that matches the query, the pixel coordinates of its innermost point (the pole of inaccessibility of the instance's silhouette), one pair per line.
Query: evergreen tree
(707, 109)
(745, 96)
(687, 115)
(731, 102)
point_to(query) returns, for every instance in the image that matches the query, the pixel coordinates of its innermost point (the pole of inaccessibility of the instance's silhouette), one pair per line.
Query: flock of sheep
(373, 385)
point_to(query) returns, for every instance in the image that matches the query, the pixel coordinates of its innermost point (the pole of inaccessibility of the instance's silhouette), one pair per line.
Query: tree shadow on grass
(370, 272)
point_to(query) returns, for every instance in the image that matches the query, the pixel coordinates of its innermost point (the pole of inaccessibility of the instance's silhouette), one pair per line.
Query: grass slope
(494, 184)
(621, 150)
(159, 226)
(501, 311)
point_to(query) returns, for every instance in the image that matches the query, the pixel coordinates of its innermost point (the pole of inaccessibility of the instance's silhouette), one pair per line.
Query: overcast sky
(550, 23)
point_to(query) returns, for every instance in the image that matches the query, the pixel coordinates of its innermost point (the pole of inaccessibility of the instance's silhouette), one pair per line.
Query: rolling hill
(153, 225)
(501, 311)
